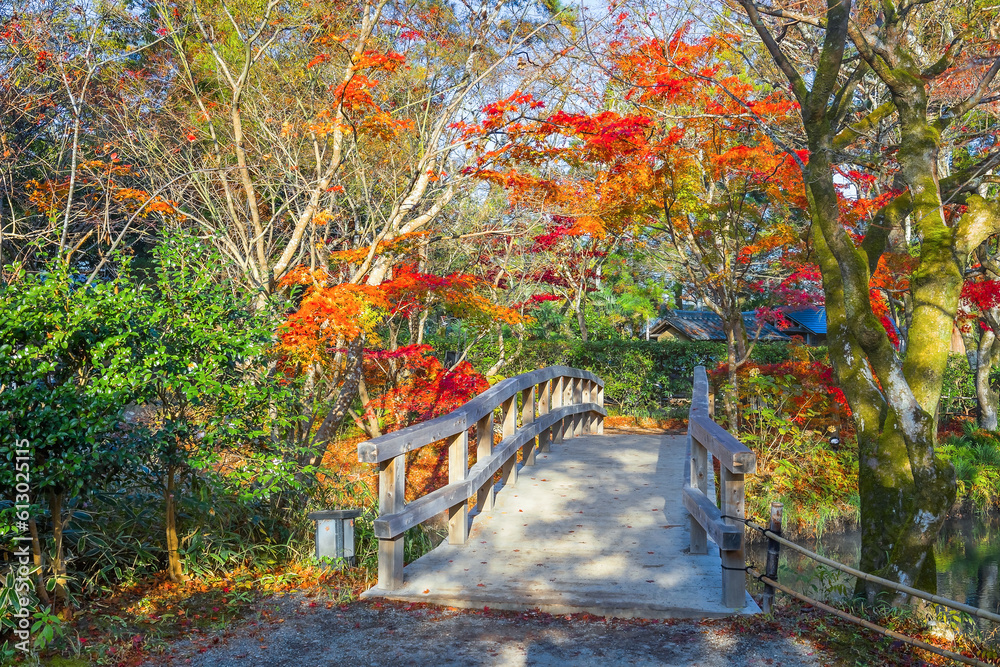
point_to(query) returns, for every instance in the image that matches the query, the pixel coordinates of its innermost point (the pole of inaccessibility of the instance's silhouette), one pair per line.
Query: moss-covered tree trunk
(987, 355)
(905, 488)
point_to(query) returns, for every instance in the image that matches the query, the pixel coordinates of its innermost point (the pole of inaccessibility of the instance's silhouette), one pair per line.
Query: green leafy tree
(59, 398)
(199, 366)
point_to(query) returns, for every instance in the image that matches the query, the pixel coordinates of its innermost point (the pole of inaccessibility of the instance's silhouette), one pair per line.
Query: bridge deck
(596, 525)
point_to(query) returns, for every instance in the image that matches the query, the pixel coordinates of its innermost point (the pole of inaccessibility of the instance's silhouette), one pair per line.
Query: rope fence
(945, 653)
(923, 595)
(769, 579)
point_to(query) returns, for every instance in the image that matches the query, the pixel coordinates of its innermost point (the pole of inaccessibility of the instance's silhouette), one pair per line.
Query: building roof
(811, 319)
(706, 325)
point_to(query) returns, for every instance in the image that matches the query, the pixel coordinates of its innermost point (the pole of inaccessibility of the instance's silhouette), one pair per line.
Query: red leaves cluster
(978, 296)
(419, 388)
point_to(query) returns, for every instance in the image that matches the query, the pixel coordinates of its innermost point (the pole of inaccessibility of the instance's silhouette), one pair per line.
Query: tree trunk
(58, 562)
(36, 553)
(987, 355)
(736, 355)
(581, 318)
(905, 489)
(730, 396)
(502, 359)
(174, 569)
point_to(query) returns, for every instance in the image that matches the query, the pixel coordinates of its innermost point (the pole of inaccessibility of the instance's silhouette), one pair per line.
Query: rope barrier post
(773, 549)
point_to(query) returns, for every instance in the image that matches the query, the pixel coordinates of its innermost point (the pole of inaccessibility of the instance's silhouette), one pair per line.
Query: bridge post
(590, 419)
(528, 416)
(509, 411)
(544, 396)
(567, 399)
(578, 400)
(699, 479)
(391, 499)
(600, 417)
(734, 577)
(484, 448)
(458, 469)
(585, 398)
(557, 402)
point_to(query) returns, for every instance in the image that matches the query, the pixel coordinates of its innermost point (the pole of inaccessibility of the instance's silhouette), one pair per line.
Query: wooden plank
(391, 499)
(732, 453)
(734, 578)
(508, 475)
(528, 416)
(458, 469)
(509, 411)
(413, 437)
(709, 516)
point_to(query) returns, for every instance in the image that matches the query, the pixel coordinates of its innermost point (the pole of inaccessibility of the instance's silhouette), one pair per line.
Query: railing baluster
(544, 396)
(578, 400)
(528, 416)
(391, 499)
(558, 393)
(567, 399)
(600, 402)
(699, 480)
(509, 411)
(484, 448)
(458, 469)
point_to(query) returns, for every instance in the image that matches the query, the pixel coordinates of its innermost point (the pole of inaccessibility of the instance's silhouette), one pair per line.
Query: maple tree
(335, 339)
(838, 51)
(680, 164)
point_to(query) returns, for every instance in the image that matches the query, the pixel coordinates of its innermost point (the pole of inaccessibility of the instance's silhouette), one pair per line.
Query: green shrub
(639, 374)
(976, 457)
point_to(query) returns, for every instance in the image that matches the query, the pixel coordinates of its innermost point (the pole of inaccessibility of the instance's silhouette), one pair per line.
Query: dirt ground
(297, 630)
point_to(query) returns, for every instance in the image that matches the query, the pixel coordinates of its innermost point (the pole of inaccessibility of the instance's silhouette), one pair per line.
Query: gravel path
(295, 630)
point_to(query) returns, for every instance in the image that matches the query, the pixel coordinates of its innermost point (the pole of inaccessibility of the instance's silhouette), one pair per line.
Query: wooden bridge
(561, 517)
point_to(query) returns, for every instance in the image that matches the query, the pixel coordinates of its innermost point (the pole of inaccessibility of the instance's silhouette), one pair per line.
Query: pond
(968, 561)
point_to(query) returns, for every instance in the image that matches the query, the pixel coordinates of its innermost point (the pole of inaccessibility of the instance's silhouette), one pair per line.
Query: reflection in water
(968, 562)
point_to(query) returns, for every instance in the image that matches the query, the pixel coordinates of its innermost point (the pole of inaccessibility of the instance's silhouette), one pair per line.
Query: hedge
(641, 375)
(638, 374)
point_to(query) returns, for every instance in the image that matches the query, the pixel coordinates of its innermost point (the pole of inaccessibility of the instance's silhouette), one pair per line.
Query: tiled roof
(812, 319)
(706, 325)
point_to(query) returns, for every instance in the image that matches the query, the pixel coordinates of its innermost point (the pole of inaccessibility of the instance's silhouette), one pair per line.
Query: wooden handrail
(556, 402)
(723, 525)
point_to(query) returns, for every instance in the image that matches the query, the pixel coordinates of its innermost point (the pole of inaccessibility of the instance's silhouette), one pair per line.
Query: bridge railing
(555, 403)
(723, 524)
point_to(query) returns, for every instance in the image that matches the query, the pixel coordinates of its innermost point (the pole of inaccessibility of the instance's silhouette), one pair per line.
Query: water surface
(968, 562)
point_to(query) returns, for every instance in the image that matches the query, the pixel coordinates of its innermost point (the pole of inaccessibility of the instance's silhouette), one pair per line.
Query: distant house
(706, 325)
(806, 323)
(809, 323)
